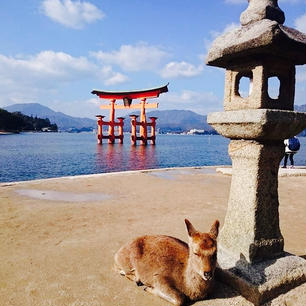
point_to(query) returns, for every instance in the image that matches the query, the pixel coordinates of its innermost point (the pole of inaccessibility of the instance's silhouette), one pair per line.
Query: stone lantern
(251, 253)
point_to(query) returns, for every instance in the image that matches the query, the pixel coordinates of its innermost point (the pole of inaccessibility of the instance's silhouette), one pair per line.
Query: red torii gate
(127, 98)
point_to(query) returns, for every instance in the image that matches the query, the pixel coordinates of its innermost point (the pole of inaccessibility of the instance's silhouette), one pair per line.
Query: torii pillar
(143, 133)
(100, 128)
(251, 253)
(143, 119)
(127, 98)
(111, 125)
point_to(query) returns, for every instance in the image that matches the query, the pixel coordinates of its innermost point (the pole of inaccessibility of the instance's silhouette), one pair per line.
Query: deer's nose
(207, 275)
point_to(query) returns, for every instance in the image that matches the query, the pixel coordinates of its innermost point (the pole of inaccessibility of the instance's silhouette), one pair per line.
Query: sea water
(29, 156)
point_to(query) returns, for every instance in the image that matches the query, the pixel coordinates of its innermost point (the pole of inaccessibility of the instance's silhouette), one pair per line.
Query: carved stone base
(261, 282)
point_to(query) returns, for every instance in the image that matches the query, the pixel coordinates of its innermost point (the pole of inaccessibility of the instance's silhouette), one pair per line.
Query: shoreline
(97, 175)
(223, 169)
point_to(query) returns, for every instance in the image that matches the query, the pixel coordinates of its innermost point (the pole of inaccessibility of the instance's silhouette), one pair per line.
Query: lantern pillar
(251, 255)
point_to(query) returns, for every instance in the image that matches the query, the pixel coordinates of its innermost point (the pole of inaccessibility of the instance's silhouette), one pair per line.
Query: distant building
(196, 132)
(48, 129)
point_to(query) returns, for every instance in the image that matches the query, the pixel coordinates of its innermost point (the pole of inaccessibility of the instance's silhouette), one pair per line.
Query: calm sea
(29, 156)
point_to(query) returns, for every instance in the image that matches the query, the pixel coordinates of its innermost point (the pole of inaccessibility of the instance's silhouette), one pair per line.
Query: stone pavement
(58, 236)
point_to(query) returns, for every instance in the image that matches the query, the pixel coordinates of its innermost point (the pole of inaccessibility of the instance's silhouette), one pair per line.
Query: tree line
(18, 122)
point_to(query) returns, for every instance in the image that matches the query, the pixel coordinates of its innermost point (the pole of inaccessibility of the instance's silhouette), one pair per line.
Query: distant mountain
(179, 121)
(64, 122)
(175, 121)
(18, 122)
(300, 108)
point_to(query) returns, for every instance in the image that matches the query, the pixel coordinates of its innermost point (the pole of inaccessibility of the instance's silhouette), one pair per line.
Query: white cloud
(54, 67)
(200, 102)
(229, 27)
(145, 57)
(214, 34)
(72, 14)
(46, 65)
(112, 78)
(300, 23)
(44, 74)
(180, 69)
(134, 57)
(93, 101)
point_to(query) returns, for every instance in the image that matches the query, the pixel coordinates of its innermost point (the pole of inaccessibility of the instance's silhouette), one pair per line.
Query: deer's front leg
(164, 289)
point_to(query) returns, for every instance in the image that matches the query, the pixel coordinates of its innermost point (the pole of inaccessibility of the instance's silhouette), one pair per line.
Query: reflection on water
(143, 157)
(28, 156)
(109, 156)
(117, 157)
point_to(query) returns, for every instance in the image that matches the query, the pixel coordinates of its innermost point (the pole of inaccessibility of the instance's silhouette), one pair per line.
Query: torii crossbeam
(127, 97)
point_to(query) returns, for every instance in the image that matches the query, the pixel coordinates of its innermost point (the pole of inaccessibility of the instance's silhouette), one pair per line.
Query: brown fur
(169, 267)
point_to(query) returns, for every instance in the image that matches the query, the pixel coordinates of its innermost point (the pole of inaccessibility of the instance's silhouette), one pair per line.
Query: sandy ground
(58, 236)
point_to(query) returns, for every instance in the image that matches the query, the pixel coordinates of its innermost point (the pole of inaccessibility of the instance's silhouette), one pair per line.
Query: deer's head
(203, 250)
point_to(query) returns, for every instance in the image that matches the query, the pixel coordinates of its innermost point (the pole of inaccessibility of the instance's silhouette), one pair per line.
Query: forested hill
(63, 121)
(17, 122)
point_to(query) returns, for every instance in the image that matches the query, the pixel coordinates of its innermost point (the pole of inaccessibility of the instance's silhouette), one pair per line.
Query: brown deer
(168, 267)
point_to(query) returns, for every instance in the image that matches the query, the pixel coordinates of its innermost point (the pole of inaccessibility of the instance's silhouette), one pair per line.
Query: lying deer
(168, 267)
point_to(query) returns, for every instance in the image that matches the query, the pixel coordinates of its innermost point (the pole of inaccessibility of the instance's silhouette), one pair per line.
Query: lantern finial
(262, 9)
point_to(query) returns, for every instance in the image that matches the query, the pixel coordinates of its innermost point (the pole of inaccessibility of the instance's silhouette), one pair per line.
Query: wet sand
(58, 236)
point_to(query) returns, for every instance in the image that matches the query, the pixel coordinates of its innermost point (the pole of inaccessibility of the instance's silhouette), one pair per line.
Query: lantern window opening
(244, 84)
(274, 86)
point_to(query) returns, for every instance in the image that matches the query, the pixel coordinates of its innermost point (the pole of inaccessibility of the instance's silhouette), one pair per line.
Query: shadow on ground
(222, 291)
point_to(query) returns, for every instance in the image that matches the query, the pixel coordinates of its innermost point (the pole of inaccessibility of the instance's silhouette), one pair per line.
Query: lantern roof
(261, 35)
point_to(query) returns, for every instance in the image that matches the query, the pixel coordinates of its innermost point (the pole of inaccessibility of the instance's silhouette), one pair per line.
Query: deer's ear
(191, 230)
(214, 231)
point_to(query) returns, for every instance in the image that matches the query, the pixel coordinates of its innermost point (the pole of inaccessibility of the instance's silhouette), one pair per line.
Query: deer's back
(152, 255)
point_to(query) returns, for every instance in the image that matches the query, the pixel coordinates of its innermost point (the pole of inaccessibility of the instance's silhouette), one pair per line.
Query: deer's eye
(196, 254)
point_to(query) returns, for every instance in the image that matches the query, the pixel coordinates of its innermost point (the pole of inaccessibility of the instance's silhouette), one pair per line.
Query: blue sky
(55, 52)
